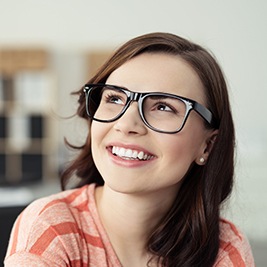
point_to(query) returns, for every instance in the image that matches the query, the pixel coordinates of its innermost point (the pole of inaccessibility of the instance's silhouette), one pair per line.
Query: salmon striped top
(65, 230)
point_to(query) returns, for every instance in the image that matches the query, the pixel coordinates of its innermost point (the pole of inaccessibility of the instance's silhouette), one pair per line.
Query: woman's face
(168, 156)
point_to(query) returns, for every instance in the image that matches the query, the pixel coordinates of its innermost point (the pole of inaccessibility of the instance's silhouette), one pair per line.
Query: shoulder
(63, 203)
(62, 220)
(234, 247)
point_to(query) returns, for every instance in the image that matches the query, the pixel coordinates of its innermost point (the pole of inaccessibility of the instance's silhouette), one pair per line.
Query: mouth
(131, 154)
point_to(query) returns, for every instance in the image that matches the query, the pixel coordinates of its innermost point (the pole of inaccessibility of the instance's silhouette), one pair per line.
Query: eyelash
(109, 96)
(167, 105)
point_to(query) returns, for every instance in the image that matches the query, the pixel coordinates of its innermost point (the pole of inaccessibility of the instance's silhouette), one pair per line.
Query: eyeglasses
(161, 112)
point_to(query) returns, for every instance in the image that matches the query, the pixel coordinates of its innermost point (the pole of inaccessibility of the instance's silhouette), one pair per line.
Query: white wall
(235, 30)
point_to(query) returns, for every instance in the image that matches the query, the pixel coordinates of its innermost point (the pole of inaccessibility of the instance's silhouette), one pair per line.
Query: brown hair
(189, 234)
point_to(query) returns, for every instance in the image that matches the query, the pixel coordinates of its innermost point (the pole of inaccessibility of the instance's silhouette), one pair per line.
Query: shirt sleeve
(235, 250)
(26, 259)
(40, 237)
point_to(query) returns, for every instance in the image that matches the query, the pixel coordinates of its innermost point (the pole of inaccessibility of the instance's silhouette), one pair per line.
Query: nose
(131, 122)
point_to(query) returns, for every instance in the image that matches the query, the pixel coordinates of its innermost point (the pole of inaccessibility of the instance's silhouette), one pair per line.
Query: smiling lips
(130, 154)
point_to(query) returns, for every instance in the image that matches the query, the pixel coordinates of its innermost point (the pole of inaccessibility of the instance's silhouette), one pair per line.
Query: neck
(129, 219)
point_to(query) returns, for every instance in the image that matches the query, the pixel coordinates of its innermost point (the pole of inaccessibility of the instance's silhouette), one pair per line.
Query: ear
(209, 143)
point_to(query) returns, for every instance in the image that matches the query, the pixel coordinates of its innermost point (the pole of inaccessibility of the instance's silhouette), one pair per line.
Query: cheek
(178, 154)
(182, 148)
(97, 135)
(98, 131)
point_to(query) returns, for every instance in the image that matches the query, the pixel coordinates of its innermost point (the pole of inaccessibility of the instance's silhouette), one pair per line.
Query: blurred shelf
(23, 195)
(27, 127)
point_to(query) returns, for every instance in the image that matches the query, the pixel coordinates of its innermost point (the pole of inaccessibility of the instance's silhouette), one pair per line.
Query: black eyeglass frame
(139, 98)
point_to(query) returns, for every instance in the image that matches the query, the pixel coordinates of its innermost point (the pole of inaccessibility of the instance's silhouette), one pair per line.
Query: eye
(163, 107)
(113, 97)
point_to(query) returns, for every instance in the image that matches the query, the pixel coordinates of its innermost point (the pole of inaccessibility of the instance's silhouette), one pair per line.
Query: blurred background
(49, 49)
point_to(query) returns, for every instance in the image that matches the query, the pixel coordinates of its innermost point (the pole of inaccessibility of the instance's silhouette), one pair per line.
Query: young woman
(154, 171)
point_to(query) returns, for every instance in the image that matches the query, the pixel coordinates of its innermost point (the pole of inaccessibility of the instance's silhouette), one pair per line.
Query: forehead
(159, 72)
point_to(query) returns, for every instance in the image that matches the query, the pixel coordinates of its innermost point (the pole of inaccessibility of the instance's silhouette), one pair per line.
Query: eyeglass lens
(163, 113)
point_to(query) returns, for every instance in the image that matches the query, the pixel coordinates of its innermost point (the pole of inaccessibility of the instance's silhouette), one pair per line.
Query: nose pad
(131, 121)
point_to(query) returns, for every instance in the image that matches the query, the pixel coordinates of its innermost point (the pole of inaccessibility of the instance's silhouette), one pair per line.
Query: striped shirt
(65, 230)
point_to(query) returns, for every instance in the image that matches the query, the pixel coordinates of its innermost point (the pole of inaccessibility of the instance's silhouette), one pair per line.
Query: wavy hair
(189, 234)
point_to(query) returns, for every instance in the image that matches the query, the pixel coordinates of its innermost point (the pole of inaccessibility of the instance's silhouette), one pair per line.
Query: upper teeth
(129, 153)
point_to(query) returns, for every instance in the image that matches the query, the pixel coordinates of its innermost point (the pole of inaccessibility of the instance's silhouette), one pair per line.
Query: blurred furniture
(27, 133)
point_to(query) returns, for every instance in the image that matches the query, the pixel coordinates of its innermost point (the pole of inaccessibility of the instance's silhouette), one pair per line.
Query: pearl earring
(202, 160)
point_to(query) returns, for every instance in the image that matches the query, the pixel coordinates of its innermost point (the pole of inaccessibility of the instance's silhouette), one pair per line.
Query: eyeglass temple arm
(205, 114)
